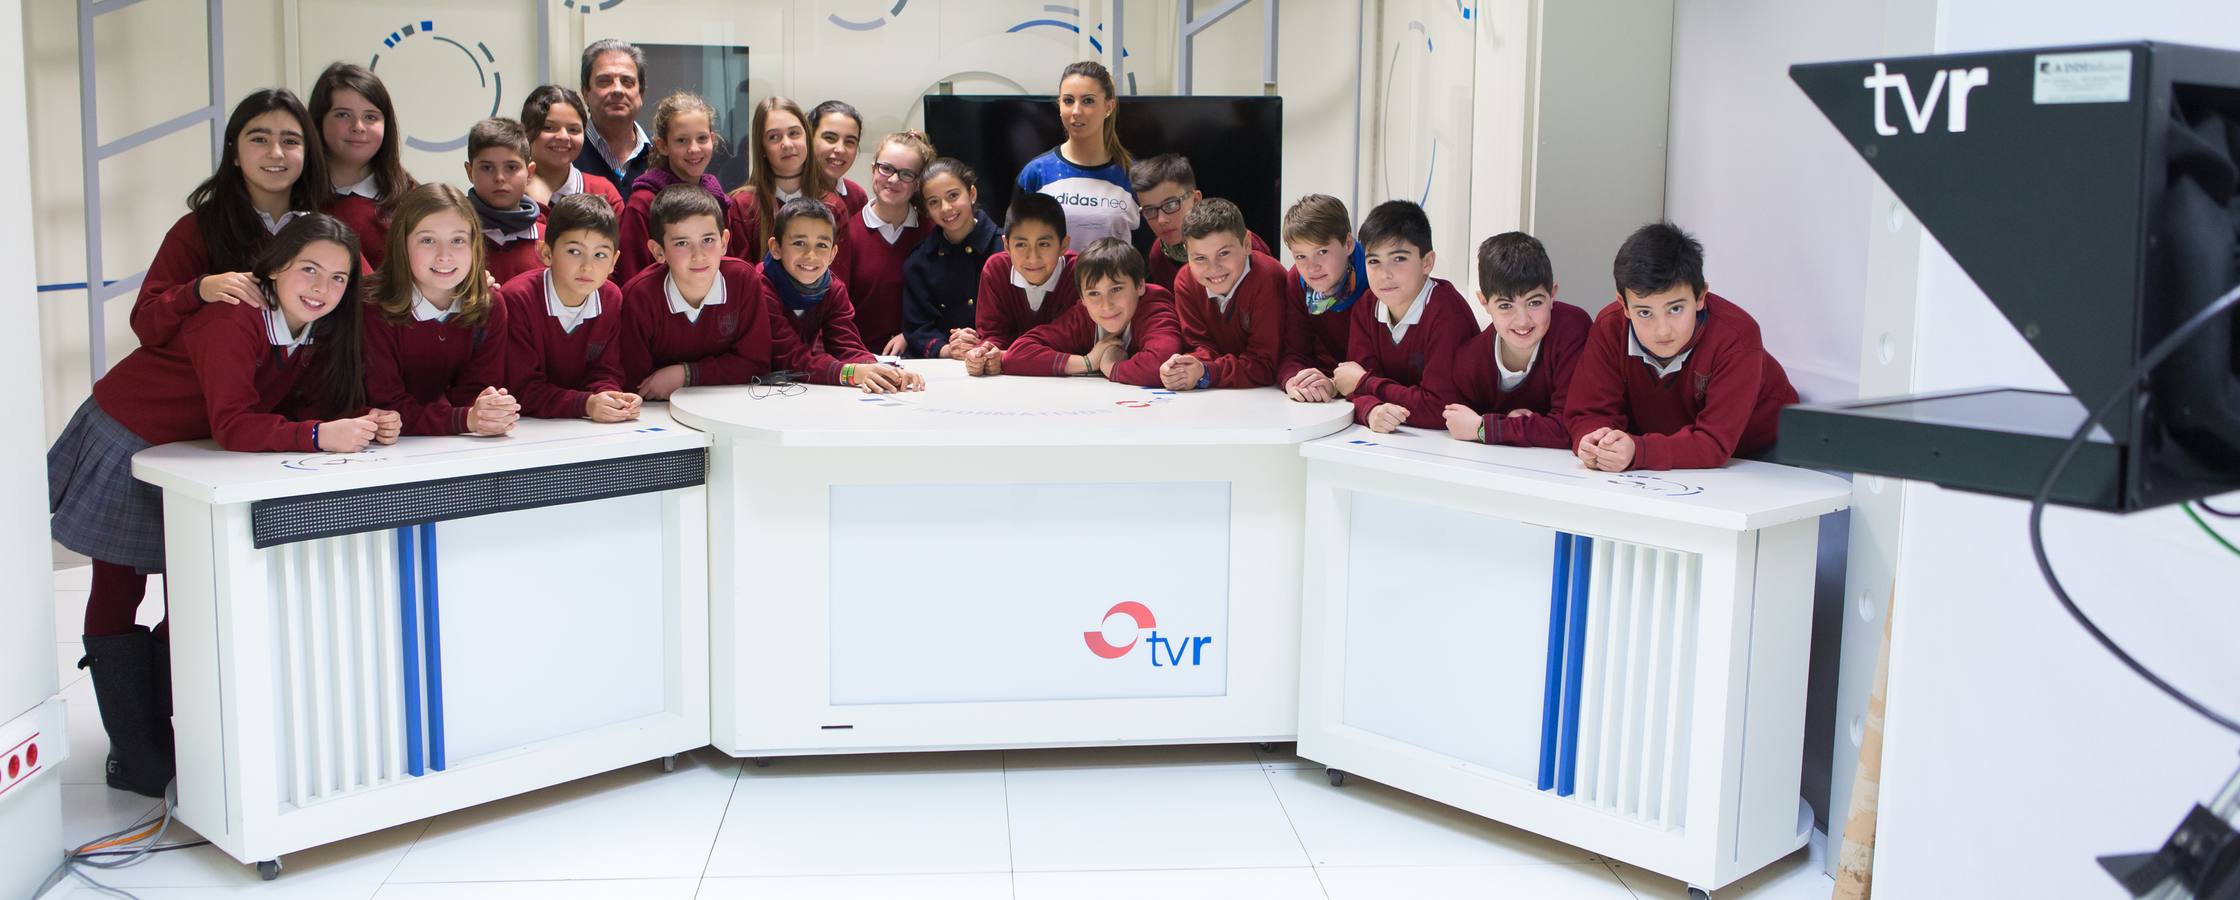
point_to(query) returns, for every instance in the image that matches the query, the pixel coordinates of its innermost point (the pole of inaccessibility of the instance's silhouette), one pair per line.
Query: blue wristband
(314, 435)
(1205, 380)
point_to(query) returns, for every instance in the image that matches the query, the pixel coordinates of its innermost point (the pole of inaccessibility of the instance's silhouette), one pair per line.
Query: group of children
(316, 297)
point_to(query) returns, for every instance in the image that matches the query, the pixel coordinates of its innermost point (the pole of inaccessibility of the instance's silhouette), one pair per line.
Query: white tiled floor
(1170, 822)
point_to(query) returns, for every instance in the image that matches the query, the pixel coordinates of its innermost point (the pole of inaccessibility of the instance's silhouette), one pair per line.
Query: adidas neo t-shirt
(1099, 201)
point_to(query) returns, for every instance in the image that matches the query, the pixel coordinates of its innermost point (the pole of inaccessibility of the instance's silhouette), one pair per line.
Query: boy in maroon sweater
(1328, 275)
(1028, 283)
(1167, 190)
(1518, 369)
(498, 171)
(1230, 301)
(697, 317)
(1673, 376)
(1401, 344)
(561, 320)
(1122, 329)
(818, 306)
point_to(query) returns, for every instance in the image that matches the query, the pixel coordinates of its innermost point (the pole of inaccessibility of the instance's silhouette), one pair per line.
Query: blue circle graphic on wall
(426, 53)
(879, 21)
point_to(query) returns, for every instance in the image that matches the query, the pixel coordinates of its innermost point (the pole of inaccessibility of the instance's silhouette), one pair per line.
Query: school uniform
(1007, 305)
(823, 323)
(940, 282)
(431, 365)
(359, 206)
(557, 356)
(1162, 268)
(171, 291)
(744, 219)
(853, 198)
(733, 336)
(1317, 329)
(1478, 380)
(1239, 336)
(1719, 399)
(636, 222)
(582, 182)
(508, 255)
(1402, 358)
(1151, 337)
(869, 259)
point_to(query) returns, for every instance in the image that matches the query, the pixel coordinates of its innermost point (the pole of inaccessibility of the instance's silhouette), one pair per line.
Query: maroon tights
(115, 600)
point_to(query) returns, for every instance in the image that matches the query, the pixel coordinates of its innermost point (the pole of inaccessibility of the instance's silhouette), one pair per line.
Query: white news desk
(1002, 562)
(359, 640)
(1616, 661)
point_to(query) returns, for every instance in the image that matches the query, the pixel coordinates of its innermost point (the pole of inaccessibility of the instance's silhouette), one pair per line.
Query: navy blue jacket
(939, 281)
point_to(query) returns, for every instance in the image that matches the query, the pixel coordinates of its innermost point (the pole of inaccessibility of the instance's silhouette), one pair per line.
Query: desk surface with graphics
(1739, 496)
(956, 409)
(200, 470)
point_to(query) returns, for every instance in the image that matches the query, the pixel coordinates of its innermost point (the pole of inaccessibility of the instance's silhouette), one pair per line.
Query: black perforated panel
(290, 519)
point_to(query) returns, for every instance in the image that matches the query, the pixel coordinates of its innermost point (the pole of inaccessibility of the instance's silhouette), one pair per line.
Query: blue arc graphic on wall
(866, 24)
(488, 77)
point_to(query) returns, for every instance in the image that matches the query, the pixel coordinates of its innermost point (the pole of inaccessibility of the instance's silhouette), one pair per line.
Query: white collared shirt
(841, 188)
(424, 311)
(573, 184)
(1415, 313)
(1635, 350)
(1036, 293)
(639, 145)
(366, 187)
(272, 225)
(1221, 301)
(785, 195)
(276, 331)
(569, 316)
(892, 233)
(1509, 379)
(678, 304)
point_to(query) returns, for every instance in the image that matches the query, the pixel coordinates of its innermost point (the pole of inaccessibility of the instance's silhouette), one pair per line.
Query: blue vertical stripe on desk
(1575, 662)
(1551, 698)
(408, 604)
(435, 645)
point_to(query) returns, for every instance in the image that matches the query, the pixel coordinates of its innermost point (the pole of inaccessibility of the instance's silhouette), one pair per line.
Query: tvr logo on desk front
(1920, 114)
(1138, 619)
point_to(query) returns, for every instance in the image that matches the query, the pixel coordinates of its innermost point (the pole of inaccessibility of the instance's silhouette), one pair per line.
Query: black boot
(126, 682)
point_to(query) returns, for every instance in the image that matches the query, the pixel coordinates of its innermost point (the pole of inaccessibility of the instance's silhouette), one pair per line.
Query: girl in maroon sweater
(875, 242)
(358, 130)
(224, 376)
(434, 335)
(819, 306)
(684, 142)
(561, 321)
(835, 129)
(554, 116)
(779, 170)
(272, 170)
(1518, 370)
(1122, 329)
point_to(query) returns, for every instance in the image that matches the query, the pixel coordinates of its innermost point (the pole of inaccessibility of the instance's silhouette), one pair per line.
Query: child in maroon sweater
(512, 224)
(359, 131)
(684, 143)
(1166, 190)
(1122, 329)
(1518, 369)
(435, 336)
(1328, 275)
(226, 374)
(1230, 301)
(876, 241)
(1028, 283)
(698, 317)
(1401, 344)
(555, 116)
(819, 307)
(1673, 377)
(561, 320)
(835, 129)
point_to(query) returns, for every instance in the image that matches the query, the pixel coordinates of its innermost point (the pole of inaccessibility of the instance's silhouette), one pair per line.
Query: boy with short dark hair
(1167, 190)
(1518, 370)
(1122, 329)
(498, 175)
(1401, 344)
(1027, 284)
(816, 305)
(1673, 376)
(561, 320)
(1230, 300)
(697, 316)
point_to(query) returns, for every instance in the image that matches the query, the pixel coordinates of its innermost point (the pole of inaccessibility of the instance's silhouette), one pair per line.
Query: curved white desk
(1616, 661)
(334, 674)
(1002, 562)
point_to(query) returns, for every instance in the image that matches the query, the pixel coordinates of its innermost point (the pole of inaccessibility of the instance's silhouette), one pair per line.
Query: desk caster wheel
(761, 762)
(269, 869)
(669, 763)
(1266, 746)
(1696, 893)
(1337, 778)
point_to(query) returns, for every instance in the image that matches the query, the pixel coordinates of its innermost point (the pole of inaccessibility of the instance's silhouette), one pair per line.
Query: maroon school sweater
(1725, 401)
(509, 260)
(1474, 380)
(431, 372)
(852, 196)
(1402, 372)
(1153, 337)
(826, 334)
(1312, 341)
(221, 379)
(744, 221)
(168, 293)
(873, 270)
(1162, 271)
(733, 341)
(1242, 347)
(552, 372)
(1000, 313)
(598, 186)
(366, 221)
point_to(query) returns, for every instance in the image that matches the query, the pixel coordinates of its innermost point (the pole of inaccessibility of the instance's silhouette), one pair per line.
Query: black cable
(2204, 506)
(2146, 364)
(151, 850)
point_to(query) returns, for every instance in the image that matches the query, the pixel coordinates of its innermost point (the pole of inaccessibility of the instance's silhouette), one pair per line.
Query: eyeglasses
(1162, 210)
(908, 176)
